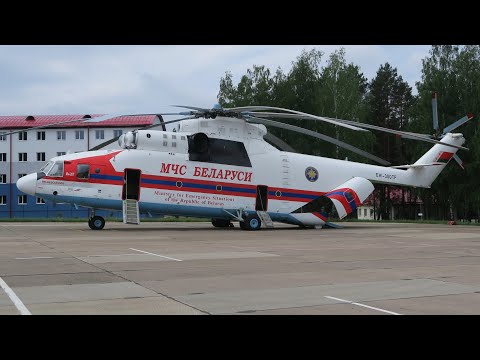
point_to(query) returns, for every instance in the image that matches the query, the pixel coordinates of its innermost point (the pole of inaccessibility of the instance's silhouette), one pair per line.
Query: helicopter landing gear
(251, 222)
(96, 223)
(222, 223)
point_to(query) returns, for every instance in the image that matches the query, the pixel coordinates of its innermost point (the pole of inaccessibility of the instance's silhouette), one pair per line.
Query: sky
(104, 79)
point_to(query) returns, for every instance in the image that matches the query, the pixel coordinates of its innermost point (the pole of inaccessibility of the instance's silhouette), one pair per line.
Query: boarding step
(131, 214)
(265, 218)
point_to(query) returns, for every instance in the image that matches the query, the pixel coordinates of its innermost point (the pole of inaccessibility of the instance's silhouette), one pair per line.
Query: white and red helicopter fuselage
(161, 174)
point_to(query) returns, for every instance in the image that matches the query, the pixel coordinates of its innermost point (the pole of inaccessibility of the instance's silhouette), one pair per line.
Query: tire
(221, 223)
(96, 223)
(252, 222)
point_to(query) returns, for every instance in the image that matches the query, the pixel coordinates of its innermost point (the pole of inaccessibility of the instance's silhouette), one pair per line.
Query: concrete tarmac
(194, 268)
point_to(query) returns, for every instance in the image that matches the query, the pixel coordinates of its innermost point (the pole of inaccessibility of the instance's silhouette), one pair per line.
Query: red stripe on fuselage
(109, 170)
(320, 216)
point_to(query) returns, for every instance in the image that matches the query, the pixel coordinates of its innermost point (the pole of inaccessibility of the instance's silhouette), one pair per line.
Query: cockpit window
(83, 171)
(45, 168)
(56, 170)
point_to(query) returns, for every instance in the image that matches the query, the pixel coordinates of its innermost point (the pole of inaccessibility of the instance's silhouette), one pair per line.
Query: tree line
(338, 89)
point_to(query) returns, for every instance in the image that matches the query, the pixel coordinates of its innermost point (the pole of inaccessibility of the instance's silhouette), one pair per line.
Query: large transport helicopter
(220, 164)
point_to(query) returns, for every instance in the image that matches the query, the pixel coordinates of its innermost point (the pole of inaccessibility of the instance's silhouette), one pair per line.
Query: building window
(3, 137)
(41, 156)
(22, 157)
(21, 175)
(3, 156)
(359, 213)
(40, 200)
(165, 136)
(61, 153)
(3, 178)
(22, 199)
(364, 212)
(165, 143)
(174, 137)
(40, 135)
(83, 171)
(22, 136)
(182, 137)
(117, 133)
(99, 134)
(371, 212)
(61, 135)
(174, 144)
(3, 199)
(79, 134)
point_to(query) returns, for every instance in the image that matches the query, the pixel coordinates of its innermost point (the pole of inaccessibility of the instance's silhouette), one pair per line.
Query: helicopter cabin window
(56, 170)
(46, 168)
(218, 151)
(83, 171)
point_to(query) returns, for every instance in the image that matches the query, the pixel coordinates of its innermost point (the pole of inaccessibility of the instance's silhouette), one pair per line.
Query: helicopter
(223, 164)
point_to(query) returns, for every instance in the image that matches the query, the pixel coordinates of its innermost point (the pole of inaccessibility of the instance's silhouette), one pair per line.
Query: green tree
(342, 95)
(389, 102)
(454, 72)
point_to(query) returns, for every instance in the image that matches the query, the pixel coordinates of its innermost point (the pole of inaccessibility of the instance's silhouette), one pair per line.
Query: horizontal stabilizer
(413, 166)
(348, 196)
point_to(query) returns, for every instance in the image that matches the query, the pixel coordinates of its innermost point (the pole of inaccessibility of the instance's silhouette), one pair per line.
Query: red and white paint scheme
(221, 169)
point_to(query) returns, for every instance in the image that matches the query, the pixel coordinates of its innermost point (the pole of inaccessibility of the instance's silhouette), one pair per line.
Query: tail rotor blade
(458, 123)
(434, 111)
(459, 161)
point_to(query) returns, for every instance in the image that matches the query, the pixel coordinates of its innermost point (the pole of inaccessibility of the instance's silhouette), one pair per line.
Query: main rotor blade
(102, 145)
(310, 116)
(177, 120)
(408, 135)
(318, 136)
(279, 143)
(434, 111)
(191, 108)
(459, 161)
(457, 123)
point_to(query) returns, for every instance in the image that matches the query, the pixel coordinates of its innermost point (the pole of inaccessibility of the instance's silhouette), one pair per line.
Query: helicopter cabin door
(261, 202)
(131, 184)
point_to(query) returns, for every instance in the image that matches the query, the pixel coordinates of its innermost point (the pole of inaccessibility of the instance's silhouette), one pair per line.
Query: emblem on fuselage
(311, 174)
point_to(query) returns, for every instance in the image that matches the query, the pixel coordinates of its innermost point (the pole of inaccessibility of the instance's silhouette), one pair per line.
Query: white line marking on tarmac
(113, 255)
(16, 301)
(146, 252)
(35, 257)
(358, 304)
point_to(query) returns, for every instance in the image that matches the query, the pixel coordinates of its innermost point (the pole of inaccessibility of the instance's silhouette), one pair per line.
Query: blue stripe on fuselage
(106, 177)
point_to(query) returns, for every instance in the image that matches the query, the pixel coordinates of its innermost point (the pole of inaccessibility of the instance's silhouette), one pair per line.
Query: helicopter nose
(28, 183)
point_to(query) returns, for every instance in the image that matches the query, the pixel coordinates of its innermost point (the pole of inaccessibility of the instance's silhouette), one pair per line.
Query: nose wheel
(96, 223)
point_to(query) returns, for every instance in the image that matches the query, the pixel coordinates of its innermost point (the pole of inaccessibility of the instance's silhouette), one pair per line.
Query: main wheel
(221, 223)
(96, 223)
(252, 222)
